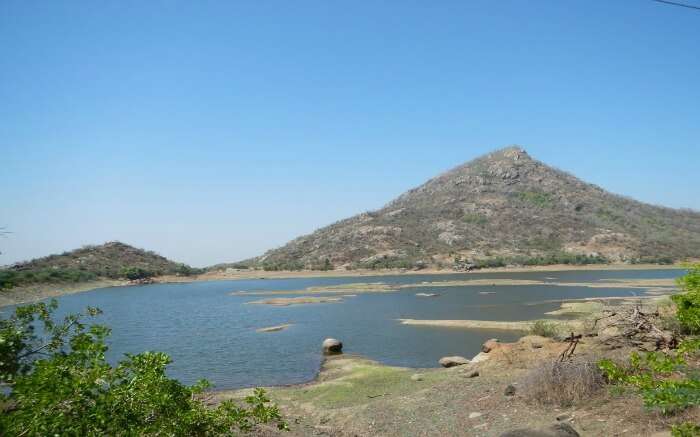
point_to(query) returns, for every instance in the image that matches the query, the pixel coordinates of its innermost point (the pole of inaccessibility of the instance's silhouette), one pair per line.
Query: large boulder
(331, 346)
(453, 361)
(490, 345)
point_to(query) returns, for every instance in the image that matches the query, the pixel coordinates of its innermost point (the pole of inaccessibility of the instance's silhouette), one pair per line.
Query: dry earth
(353, 396)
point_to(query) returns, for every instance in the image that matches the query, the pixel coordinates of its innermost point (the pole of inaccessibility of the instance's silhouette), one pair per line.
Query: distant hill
(113, 260)
(502, 208)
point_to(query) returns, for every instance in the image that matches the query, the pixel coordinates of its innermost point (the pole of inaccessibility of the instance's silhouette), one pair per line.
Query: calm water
(211, 334)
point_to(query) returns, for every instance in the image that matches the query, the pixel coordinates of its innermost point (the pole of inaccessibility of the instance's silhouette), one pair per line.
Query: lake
(212, 334)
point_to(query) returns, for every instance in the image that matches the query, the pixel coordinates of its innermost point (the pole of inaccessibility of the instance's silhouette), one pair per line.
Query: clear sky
(212, 131)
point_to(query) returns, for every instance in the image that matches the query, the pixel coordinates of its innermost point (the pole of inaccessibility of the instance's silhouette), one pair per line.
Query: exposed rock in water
(274, 328)
(453, 361)
(427, 294)
(331, 346)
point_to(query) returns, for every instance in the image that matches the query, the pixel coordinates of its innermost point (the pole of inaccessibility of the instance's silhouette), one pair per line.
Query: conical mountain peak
(503, 205)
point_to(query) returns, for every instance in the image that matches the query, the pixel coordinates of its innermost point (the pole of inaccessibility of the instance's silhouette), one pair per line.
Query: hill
(502, 208)
(113, 260)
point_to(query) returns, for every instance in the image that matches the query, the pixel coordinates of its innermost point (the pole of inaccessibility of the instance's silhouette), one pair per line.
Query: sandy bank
(34, 293)
(261, 274)
(303, 300)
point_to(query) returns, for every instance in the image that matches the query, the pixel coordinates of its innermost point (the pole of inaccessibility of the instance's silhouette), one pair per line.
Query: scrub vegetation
(668, 381)
(112, 260)
(59, 383)
(502, 209)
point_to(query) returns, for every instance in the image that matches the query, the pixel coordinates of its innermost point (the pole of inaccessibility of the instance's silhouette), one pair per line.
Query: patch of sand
(34, 293)
(287, 301)
(354, 288)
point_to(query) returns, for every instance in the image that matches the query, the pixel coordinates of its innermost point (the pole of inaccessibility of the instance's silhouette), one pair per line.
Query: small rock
(563, 417)
(510, 390)
(331, 346)
(474, 415)
(416, 377)
(472, 374)
(490, 345)
(453, 361)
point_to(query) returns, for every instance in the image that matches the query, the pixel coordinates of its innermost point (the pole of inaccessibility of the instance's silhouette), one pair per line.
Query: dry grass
(563, 383)
(544, 328)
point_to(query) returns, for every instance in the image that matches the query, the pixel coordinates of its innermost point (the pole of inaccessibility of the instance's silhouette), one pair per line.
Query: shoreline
(287, 274)
(34, 293)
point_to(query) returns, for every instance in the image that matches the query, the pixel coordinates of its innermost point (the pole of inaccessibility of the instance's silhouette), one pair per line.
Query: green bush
(185, 270)
(134, 273)
(537, 198)
(13, 278)
(287, 265)
(8, 279)
(664, 380)
(688, 302)
(60, 384)
(543, 328)
(687, 429)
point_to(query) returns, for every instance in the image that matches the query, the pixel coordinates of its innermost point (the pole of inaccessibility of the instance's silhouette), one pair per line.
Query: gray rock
(474, 415)
(331, 346)
(416, 377)
(453, 361)
(510, 390)
(471, 374)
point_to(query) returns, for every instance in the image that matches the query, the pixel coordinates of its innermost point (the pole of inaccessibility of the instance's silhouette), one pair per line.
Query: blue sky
(212, 131)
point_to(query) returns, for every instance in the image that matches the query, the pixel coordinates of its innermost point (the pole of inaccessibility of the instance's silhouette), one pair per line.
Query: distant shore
(37, 292)
(33, 293)
(262, 274)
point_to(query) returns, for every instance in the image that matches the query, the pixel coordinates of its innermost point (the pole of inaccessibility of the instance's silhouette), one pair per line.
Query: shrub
(543, 328)
(134, 273)
(475, 219)
(563, 383)
(185, 270)
(687, 429)
(537, 198)
(13, 278)
(288, 265)
(60, 384)
(664, 380)
(688, 303)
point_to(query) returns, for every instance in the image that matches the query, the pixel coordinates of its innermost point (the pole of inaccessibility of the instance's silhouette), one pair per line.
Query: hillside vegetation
(113, 260)
(502, 208)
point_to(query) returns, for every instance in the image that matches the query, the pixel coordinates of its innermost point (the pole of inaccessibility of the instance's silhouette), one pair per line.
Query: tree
(61, 384)
(134, 273)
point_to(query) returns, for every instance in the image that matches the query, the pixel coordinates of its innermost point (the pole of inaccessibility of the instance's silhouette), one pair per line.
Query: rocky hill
(502, 208)
(110, 260)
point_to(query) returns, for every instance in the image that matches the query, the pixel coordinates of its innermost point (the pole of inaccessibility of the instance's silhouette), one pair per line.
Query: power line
(677, 4)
